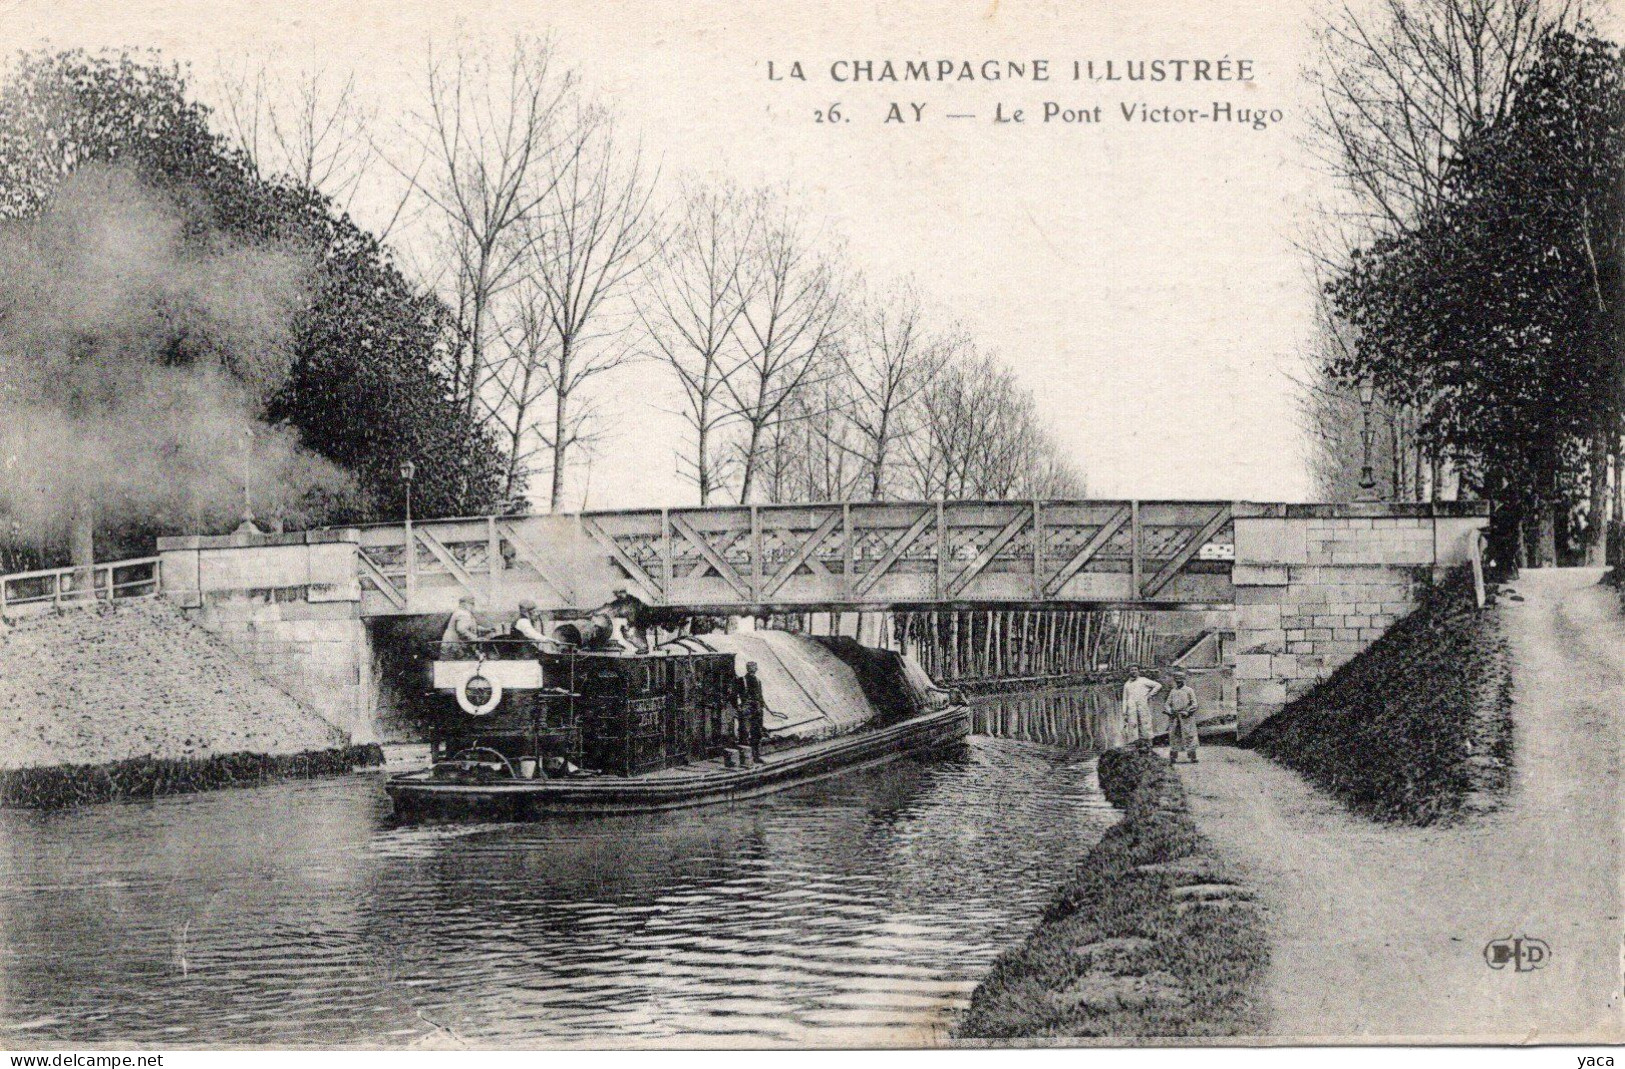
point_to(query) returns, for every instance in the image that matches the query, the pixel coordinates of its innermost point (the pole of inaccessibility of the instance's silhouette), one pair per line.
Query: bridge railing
(108, 581)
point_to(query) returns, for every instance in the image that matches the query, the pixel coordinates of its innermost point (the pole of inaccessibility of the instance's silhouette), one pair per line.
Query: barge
(518, 734)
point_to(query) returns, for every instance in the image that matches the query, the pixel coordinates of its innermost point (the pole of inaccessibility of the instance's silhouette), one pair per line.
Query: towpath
(1379, 932)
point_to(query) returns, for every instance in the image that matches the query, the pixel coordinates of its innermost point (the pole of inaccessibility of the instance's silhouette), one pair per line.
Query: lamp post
(1368, 396)
(248, 526)
(408, 470)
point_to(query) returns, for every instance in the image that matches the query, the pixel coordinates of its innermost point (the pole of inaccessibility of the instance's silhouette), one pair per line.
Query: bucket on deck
(527, 768)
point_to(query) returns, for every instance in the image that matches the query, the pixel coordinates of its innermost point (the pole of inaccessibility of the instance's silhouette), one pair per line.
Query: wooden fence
(109, 581)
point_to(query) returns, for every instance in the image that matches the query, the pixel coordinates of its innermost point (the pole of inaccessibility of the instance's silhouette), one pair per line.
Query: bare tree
(491, 138)
(581, 255)
(814, 452)
(980, 436)
(520, 380)
(787, 325)
(1403, 86)
(311, 127)
(694, 295)
(890, 361)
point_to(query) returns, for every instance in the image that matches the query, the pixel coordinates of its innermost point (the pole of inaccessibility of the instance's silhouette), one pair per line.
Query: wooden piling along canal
(986, 644)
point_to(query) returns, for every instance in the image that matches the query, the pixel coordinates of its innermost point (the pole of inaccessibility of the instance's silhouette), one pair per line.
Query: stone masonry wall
(289, 604)
(1316, 584)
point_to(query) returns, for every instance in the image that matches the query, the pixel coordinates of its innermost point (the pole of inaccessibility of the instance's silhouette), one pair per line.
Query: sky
(1141, 278)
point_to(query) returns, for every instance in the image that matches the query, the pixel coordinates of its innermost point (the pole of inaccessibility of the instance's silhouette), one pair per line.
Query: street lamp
(1368, 396)
(408, 470)
(248, 526)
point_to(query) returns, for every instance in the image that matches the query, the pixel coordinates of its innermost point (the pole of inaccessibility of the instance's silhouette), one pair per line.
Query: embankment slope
(1416, 728)
(106, 683)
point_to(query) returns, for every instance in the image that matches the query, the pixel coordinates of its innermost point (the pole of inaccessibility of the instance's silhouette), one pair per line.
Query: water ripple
(859, 910)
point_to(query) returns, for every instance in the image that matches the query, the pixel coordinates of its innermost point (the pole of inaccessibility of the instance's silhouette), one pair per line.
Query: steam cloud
(138, 343)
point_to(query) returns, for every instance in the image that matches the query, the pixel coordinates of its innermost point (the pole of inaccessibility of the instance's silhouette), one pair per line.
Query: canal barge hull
(417, 795)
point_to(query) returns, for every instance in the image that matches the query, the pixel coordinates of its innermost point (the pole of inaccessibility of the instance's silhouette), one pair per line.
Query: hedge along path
(1151, 937)
(63, 786)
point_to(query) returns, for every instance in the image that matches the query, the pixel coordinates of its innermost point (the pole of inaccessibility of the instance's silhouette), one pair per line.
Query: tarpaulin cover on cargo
(811, 691)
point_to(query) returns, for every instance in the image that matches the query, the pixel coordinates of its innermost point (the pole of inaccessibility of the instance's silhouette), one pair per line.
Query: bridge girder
(829, 557)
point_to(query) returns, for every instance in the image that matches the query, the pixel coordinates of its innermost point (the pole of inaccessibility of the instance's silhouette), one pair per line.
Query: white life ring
(482, 685)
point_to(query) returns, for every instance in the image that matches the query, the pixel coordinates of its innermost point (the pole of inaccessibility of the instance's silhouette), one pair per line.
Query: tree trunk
(1619, 480)
(82, 547)
(561, 407)
(1596, 518)
(1546, 536)
(702, 459)
(751, 446)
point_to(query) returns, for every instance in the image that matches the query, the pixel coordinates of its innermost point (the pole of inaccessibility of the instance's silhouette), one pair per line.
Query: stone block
(321, 610)
(1253, 665)
(1346, 634)
(1261, 691)
(1266, 575)
(1267, 640)
(1297, 688)
(1284, 666)
(1271, 541)
(1256, 617)
(1451, 536)
(1318, 634)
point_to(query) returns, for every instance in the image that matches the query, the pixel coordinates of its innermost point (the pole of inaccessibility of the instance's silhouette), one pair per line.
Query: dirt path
(1380, 932)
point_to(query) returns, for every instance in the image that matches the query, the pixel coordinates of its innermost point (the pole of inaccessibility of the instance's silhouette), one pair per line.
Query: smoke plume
(138, 344)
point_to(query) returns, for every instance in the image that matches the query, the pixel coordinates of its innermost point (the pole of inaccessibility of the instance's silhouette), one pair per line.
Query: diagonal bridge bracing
(839, 556)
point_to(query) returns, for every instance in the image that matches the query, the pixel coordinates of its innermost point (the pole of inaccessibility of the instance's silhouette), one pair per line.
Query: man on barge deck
(460, 641)
(752, 710)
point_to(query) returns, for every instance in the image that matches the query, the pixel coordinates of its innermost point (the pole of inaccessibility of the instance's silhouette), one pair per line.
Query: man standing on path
(1138, 690)
(1181, 708)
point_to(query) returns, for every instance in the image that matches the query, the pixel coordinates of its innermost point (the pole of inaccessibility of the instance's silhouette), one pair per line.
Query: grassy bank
(1150, 937)
(1415, 729)
(60, 786)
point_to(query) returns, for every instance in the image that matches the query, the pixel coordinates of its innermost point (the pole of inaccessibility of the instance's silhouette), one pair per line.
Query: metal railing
(110, 581)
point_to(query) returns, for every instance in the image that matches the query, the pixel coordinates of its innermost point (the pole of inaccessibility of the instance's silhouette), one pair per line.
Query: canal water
(861, 909)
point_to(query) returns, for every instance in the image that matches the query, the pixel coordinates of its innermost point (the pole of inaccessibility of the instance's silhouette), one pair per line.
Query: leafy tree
(1496, 316)
(365, 390)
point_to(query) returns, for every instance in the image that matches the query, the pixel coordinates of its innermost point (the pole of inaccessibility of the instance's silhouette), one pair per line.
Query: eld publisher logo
(1523, 953)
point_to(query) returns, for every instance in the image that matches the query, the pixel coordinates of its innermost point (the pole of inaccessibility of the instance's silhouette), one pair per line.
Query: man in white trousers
(1138, 691)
